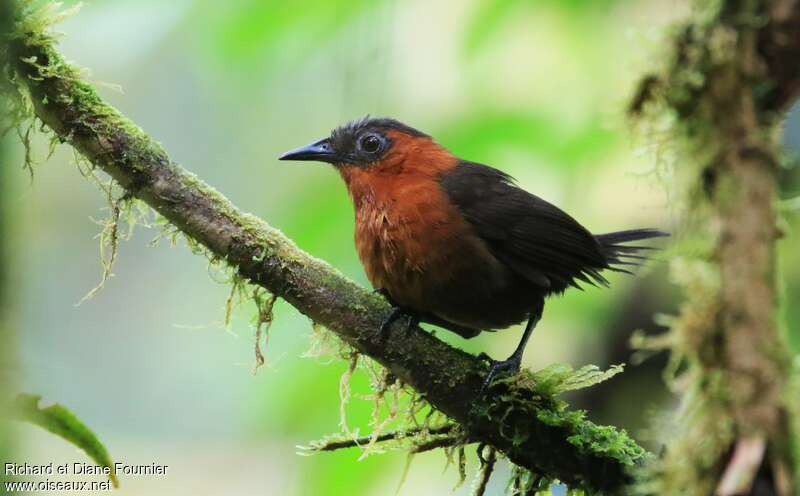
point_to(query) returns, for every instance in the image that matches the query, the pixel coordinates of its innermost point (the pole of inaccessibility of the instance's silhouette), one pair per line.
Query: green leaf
(62, 422)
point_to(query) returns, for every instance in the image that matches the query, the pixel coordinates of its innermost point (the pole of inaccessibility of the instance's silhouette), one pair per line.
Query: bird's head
(370, 145)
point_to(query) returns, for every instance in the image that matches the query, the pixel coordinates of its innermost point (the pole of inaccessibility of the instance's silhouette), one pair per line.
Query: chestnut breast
(413, 242)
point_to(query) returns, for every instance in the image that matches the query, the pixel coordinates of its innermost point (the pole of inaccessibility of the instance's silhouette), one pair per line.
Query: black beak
(320, 151)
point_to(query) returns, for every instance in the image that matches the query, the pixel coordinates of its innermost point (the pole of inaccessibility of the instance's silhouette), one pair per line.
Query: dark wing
(535, 239)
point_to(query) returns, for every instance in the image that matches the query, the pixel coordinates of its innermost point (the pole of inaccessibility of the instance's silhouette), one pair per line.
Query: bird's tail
(619, 255)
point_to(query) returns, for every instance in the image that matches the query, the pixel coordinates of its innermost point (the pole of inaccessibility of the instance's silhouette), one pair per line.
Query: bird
(459, 244)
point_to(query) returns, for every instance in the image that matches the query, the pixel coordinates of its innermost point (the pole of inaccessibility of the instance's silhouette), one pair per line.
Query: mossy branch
(518, 417)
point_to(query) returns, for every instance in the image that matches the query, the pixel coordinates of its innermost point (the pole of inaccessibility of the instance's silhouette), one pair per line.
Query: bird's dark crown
(353, 129)
(361, 142)
(349, 139)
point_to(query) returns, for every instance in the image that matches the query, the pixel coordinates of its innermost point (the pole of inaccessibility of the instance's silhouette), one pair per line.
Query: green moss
(536, 418)
(560, 378)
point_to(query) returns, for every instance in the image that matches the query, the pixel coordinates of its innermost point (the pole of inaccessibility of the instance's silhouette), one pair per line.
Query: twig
(487, 467)
(386, 436)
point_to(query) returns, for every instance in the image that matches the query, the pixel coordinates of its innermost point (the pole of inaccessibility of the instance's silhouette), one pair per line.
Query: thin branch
(443, 442)
(486, 470)
(386, 436)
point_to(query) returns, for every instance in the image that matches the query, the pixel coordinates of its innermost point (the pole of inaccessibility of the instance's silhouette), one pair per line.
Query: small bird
(458, 244)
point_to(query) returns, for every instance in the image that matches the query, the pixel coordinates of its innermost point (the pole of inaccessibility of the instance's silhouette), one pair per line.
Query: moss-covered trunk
(745, 346)
(731, 74)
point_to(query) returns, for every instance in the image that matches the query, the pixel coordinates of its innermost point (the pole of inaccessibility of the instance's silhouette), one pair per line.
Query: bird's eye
(370, 143)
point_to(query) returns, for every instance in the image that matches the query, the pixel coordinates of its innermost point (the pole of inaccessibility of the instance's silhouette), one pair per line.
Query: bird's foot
(499, 368)
(396, 314)
(485, 358)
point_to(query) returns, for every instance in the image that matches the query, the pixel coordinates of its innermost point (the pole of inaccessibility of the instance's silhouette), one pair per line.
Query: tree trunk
(733, 71)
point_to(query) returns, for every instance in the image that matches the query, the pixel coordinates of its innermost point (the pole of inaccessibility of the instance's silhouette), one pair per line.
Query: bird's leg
(396, 313)
(513, 363)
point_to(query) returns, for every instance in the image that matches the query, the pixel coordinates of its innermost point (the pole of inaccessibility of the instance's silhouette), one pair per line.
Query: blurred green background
(536, 88)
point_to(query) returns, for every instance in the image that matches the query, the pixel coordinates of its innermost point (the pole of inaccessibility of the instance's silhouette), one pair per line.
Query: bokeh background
(535, 88)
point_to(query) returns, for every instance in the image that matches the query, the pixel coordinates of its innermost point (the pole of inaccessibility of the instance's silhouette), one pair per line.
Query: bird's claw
(483, 357)
(499, 368)
(394, 315)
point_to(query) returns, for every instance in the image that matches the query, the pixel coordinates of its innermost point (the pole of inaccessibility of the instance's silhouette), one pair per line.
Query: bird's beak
(321, 151)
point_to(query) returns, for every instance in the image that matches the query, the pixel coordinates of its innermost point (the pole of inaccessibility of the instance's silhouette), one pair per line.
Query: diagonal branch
(531, 427)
